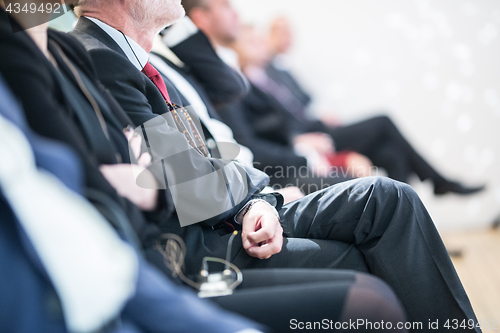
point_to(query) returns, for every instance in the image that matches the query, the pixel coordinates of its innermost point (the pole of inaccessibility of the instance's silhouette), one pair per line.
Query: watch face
(271, 199)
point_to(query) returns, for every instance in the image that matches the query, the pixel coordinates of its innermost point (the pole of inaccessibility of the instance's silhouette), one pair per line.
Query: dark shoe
(456, 187)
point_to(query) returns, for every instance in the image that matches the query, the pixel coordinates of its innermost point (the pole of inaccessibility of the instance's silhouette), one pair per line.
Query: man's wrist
(238, 218)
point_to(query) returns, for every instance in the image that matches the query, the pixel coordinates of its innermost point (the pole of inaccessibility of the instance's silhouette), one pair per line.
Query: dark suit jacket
(28, 301)
(286, 79)
(221, 84)
(260, 123)
(142, 102)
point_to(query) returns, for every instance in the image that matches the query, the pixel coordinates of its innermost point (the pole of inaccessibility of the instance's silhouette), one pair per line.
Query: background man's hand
(322, 143)
(262, 234)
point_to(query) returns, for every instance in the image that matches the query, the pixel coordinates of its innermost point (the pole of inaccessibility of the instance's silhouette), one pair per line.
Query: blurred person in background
(267, 127)
(307, 160)
(377, 139)
(185, 56)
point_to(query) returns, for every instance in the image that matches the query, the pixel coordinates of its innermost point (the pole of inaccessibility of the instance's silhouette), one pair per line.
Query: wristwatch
(275, 200)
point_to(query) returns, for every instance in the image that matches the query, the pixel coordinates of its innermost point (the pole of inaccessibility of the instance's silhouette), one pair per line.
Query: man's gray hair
(80, 5)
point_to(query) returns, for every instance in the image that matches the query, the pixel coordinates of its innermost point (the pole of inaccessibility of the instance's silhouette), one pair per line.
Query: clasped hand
(262, 234)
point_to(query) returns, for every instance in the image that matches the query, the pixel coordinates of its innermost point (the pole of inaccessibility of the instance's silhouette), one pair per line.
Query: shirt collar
(134, 52)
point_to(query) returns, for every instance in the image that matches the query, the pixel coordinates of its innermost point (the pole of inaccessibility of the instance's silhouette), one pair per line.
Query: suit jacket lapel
(86, 26)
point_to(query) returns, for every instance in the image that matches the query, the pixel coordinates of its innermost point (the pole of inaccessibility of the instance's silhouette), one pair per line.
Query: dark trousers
(380, 140)
(379, 226)
(286, 300)
(370, 225)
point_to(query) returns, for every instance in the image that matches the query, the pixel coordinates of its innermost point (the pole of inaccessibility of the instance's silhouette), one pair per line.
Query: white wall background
(432, 65)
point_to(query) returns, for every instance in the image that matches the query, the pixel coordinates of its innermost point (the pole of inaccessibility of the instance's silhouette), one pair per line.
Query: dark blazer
(28, 301)
(36, 84)
(286, 79)
(221, 84)
(260, 123)
(302, 123)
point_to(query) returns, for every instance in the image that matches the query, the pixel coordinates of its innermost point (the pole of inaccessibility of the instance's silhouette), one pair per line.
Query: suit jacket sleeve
(267, 153)
(222, 84)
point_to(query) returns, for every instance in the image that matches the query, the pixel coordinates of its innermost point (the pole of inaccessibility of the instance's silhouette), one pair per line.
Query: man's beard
(156, 14)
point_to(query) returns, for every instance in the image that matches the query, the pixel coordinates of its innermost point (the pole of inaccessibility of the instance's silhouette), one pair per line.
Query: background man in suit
(185, 56)
(377, 138)
(304, 160)
(358, 224)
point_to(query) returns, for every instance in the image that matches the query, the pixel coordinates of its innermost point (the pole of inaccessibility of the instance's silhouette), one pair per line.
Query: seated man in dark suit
(372, 224)
(185, 56)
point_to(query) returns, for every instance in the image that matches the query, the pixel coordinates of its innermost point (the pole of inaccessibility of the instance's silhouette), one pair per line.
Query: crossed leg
(379, 226)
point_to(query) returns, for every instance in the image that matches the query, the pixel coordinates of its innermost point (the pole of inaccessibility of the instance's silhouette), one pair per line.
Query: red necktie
(156, 78)
(193, 138)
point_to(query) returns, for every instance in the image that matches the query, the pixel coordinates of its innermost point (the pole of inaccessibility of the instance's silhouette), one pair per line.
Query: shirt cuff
(179, 32)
